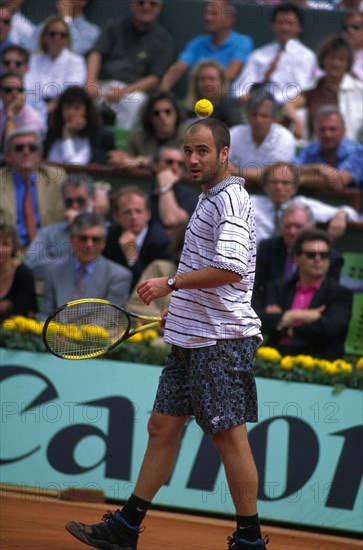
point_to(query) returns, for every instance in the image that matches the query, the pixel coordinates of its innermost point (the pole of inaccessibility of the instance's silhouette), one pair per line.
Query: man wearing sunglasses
(15, 60)
(128, 61)
(14, 112)
(172, 203)
(5, 27)
(311, 312)
(30, 192)
(84, 272)
(51, 244)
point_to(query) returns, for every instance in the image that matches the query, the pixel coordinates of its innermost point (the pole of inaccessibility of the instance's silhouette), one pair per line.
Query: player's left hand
(151, 289)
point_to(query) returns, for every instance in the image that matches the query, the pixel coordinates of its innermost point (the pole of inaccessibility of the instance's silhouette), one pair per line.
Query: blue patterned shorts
(214, 383)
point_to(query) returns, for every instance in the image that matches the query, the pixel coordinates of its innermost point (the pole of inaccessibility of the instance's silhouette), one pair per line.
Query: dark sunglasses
(5, 21)
(19, 147)
(11, 89)
(153, 3)
(85, 238)
(158, 112)
(354, 26)
(311, 255)
(53, 34)
(8, 62)
(81, 201)
(170, 162)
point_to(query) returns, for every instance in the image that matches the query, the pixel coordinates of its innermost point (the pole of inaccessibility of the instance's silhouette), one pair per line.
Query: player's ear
(223, 155)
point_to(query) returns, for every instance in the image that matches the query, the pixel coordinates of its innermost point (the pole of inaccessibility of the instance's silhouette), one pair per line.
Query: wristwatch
(171, 282)
(164, 189)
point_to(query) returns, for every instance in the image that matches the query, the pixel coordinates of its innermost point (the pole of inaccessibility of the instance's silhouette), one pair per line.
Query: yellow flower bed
(30, 326)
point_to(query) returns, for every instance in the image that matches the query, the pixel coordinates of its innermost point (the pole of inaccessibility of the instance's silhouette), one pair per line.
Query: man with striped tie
(214, 333)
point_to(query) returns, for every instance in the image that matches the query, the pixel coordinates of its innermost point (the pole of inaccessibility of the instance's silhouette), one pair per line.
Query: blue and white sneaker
(113, 533)
(235, 543)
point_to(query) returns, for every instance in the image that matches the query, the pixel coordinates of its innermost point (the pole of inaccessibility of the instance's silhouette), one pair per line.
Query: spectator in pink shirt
(310, 312)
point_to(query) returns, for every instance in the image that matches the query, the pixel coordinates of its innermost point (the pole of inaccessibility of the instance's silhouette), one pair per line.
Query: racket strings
(86, 329)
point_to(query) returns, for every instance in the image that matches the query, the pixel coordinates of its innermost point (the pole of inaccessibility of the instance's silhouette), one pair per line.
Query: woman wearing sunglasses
(54, 68)
(75, 135)
(162, 123)
(14, 112)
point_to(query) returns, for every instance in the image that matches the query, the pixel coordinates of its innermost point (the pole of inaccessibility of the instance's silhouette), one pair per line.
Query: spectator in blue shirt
(222, 44)
(332, 162)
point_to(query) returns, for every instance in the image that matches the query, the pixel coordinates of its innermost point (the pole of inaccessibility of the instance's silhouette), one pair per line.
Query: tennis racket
(90, 327)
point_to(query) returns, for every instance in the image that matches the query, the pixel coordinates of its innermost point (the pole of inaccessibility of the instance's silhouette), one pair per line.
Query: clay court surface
(32, 522)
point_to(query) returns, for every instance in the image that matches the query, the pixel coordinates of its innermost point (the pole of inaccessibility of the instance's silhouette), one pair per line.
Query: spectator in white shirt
(285, 65)
(280, 183)
(54, 68)
(83, 33)
(262, 141)
(22, 29)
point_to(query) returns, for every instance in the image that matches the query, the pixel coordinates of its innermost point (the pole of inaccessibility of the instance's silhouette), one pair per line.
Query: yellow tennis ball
(203, 108)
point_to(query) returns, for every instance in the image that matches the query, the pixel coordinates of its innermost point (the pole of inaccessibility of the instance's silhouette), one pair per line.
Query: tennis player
(214, 333)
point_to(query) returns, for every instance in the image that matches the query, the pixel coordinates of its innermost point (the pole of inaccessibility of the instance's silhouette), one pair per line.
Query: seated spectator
(5, 28)
(15, 114)
(51, 244)
(15, 60)
(86, 274)
(295, 219)
(333, 161)
(310, 312)
(172, 202)
(261, 141)
(336, 87)
(75, 135)
(22, 29)
(30, 192)
(208, 81)
(159, 268)
(17, 291)
(54, 68)
(283, 65)
(161, 124)
(135, 240)
(83, 33)
(353, 32)
(128, 61)
(221, 44)
(280, 183)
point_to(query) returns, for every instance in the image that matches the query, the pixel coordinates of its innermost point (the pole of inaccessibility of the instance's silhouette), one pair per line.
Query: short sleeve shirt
(128, 55)
(236, 47)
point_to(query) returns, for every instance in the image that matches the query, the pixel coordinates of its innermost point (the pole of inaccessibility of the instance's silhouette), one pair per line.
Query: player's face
(261, 119)
(132, 214)
(280, 186)
(292, 225)
(204, 164)
(286, 26)
(88, 244)
(330, 131)
(312, 262)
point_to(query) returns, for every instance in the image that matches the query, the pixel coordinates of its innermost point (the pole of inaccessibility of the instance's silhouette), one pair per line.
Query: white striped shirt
(221, 234)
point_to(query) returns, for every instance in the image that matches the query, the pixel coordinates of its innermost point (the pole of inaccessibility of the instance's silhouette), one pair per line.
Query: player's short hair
(220, 131)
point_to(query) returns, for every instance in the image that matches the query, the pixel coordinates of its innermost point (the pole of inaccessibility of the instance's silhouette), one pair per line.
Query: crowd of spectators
(68, 87)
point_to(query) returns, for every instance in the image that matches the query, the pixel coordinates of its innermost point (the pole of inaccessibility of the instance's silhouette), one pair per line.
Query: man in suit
(30, 192)
(85, 273)
(311, 311)
(295, 218)
(51, 244)
(135, 240)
